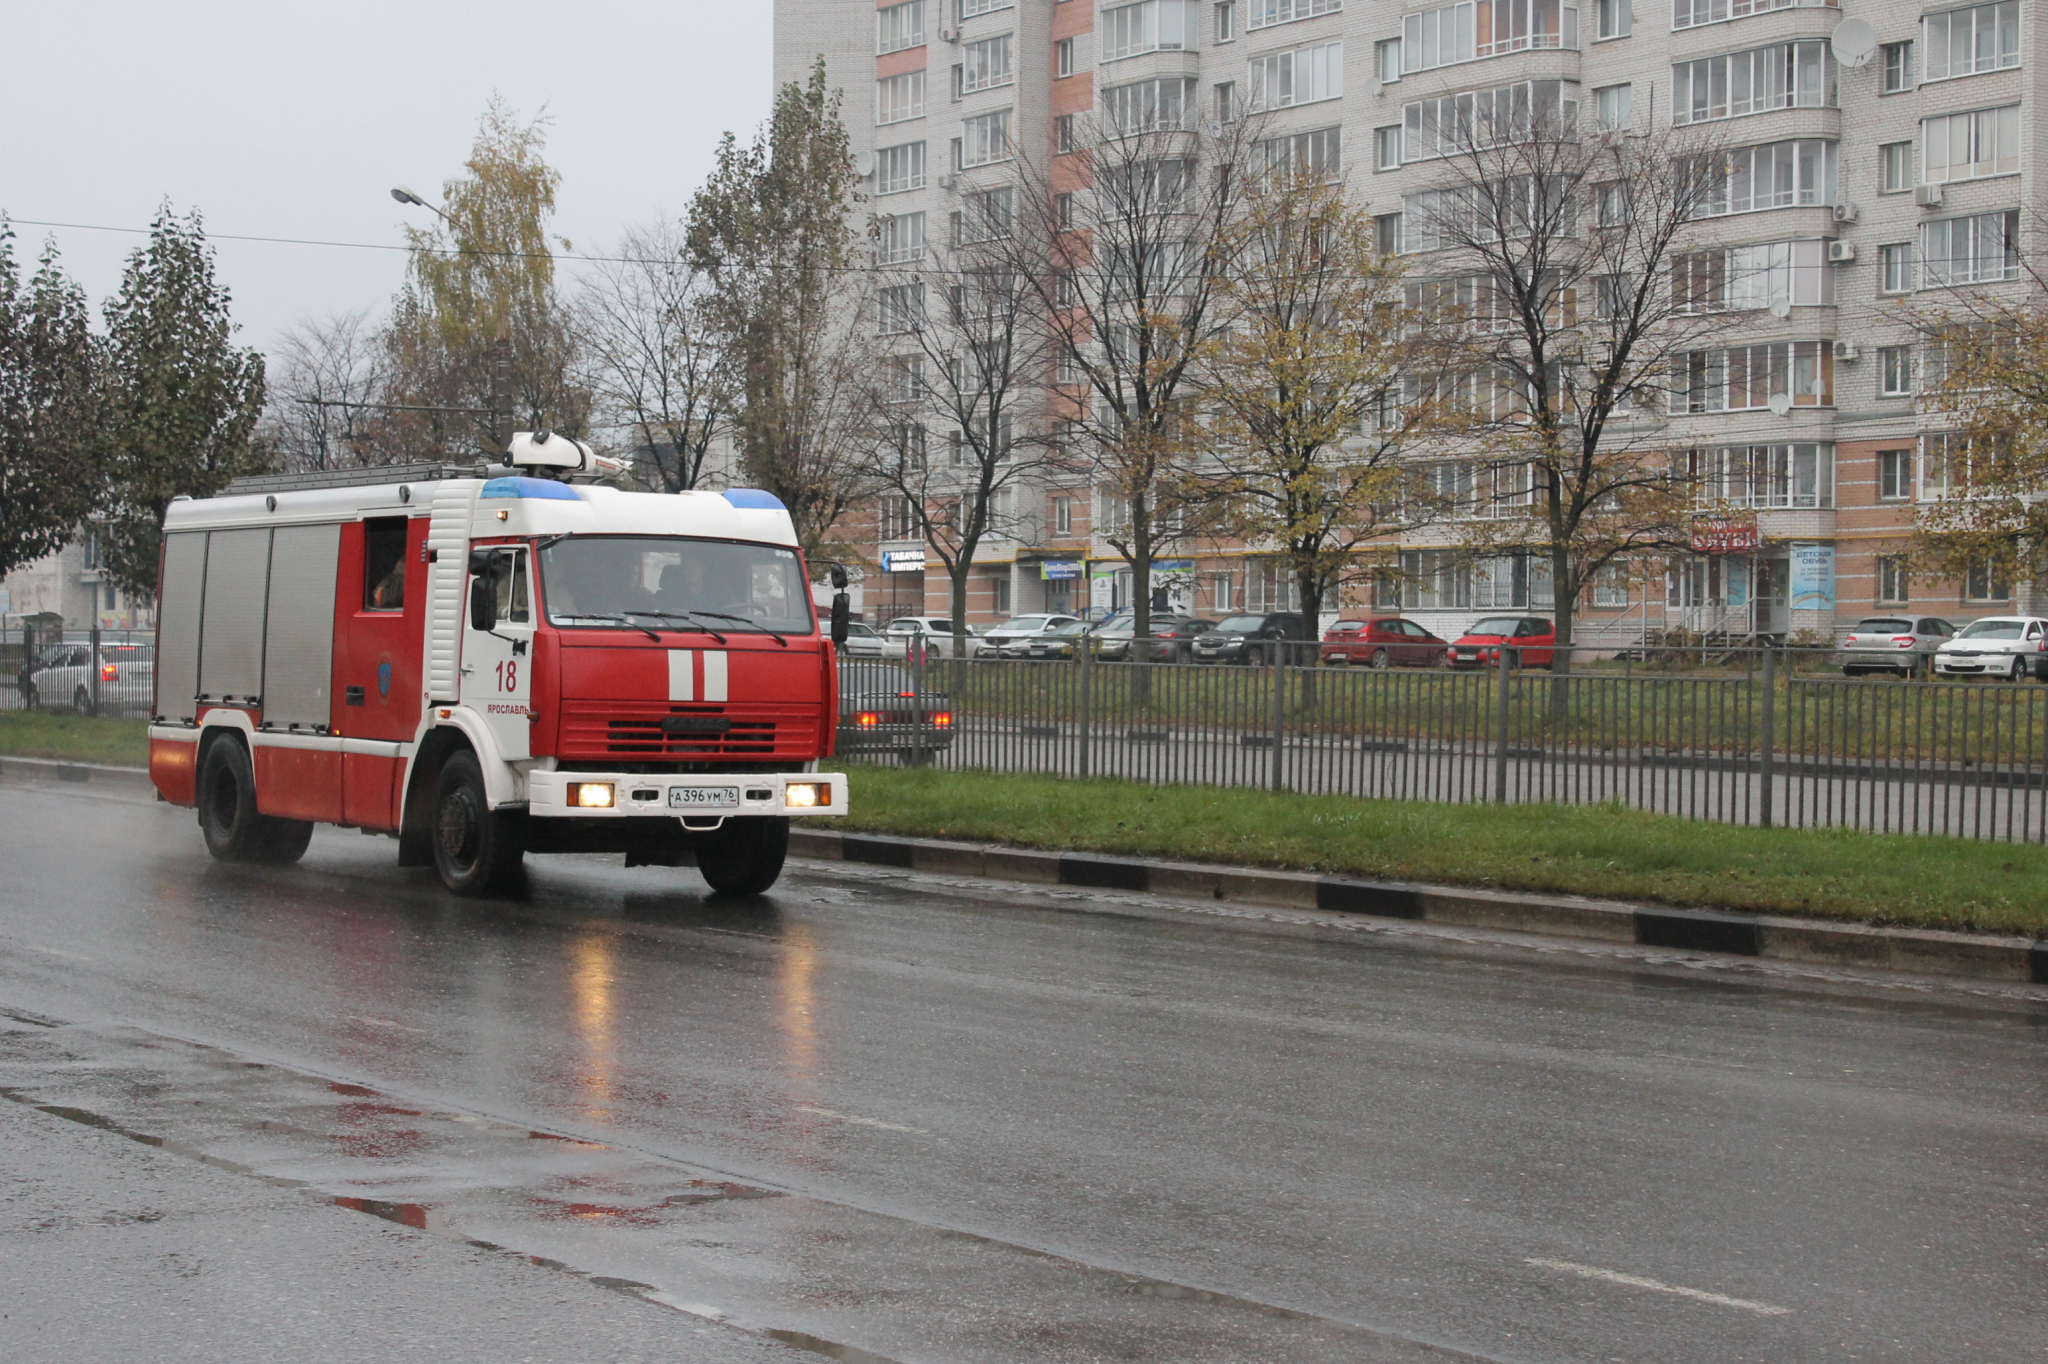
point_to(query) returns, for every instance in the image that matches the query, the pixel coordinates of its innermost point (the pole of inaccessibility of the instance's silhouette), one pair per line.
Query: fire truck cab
(484, 663)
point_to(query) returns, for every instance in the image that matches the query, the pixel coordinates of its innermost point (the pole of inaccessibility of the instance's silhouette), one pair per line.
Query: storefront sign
(1733, 533)
(902, 561)
(1813, 577)
(1059, 570)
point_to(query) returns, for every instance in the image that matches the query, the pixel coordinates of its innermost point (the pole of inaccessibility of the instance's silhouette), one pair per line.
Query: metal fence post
(1500, 729)
(1086, 651)
(94, 667)
(1770, 741)
(1274, 771)
(917, 669)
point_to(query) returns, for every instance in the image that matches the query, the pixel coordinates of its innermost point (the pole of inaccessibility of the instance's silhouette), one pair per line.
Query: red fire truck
(489, 662)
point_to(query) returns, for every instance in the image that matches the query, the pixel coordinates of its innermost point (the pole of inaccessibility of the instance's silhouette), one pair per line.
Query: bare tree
(326, 392)
(1123, 243)
(657, 376)
(1560, 257)
(959, 412)
(1301, 382)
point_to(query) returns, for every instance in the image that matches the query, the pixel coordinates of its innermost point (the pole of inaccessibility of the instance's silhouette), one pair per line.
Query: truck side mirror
(483, 602)
(842, 612)
(839, 576)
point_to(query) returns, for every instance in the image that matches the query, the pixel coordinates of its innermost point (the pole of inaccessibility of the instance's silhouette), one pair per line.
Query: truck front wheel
(476, 848)
(744, 856)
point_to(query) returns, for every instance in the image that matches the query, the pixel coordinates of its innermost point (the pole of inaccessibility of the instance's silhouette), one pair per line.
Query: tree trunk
(1141, 621)
(1564, 596)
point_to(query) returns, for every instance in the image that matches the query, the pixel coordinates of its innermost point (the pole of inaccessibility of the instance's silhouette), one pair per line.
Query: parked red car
(1535, 641)
(1380, 642)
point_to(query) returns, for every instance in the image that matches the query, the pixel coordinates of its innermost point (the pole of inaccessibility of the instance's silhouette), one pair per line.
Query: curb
(1923, 951)
(56, 772)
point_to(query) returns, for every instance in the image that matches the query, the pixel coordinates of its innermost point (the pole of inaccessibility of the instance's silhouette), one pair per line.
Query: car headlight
(590, 795)
(806, 795)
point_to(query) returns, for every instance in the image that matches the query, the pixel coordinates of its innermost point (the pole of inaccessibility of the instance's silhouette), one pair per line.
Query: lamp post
(500, 349)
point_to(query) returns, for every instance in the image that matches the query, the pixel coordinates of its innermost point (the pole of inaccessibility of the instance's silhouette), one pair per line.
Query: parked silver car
(862, 641)
(1894, 644)
(1012, 638)
(2010, 647)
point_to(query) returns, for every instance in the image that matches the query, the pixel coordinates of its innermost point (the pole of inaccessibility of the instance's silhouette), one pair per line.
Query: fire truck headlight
(806, 795)
(591, 795)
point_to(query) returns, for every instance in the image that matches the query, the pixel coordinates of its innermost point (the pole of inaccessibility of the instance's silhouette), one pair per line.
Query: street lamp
(406, 196)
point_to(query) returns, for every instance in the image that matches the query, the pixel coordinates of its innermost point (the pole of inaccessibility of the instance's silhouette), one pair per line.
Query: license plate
(704, 797)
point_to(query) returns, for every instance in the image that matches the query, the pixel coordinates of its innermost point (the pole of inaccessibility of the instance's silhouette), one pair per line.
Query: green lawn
(40, 734)
(1603, 850)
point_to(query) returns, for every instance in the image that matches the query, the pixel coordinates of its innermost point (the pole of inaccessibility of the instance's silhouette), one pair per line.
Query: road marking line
(864, 1122)
(1659, 1286)
(53, 952)
(383, 1023)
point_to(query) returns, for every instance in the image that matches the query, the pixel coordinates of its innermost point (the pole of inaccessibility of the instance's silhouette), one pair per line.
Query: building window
(1610, 587)
(1226, 21)
(900, 308)
(1387, 147)
(899, 97)
(1467, 32)
(1895, 163)
(1063, 57)
(1063, 209)
(1983, 583)
(1281, 80)
(1772, 175)
(1980, 249)
(1457, 123)
(1963, 42)
(1894, 371)
(899, 168)
(1746, 378)
(1783, 76)
(899, 27)
(1616, 18)
(1893, 583)
(970, 8)
(1066, 137)
(1226, 101)
(1897, 67)
(1150, 26)
(1693, 13)
(896, 520)
(899, 238)
(1063, 516)
(1387, 60)
(1316, 153)
(1895, 268)
(986, 64)
(1970, 146)
(986, 139)
(1744, 277)
(1895, 475)
(1799, 474)
(1386, 233)
(1266, 13)
(1163, 105)
(987, 215)
(1613, 105)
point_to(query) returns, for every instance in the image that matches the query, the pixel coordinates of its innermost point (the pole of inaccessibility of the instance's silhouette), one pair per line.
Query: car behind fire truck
(486, 663)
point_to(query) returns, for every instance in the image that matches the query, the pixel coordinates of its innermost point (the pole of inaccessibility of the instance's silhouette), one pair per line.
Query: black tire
(81, 702)
(1254, 656)
(476, 849)
(744, 856)
(2019, 671)
(235, 831)
(1380, 661)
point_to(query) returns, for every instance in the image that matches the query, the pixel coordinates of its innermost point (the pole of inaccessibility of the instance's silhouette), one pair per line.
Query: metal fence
(1745, 736)
(86, 672)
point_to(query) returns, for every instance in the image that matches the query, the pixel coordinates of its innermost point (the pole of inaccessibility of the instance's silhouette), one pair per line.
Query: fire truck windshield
(609, 580)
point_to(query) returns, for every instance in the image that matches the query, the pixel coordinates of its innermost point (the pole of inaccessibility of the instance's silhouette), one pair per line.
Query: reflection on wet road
(937, 1121)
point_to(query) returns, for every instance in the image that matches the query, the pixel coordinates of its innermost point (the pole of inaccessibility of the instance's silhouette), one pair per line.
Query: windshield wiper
(681, 615)
(742, 620)
(619, 620)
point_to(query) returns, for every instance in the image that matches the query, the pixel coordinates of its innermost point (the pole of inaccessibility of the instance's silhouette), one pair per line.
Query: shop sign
(1729, 533)
(1813, 577)
(1059, 570)
(902, 561)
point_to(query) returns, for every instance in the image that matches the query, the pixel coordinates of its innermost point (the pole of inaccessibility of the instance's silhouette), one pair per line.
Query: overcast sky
(295, 120)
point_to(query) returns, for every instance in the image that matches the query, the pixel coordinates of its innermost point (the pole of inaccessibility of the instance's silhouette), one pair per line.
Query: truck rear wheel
(744, 856)
(476, 848)
(234, 830)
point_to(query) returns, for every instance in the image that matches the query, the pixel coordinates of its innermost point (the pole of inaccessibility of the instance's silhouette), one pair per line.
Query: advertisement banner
(1813, 577)
(1724, 533)
(1059, 570)
(902, 561)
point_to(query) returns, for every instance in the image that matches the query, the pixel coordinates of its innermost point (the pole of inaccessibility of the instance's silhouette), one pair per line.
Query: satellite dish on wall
(864, 160)
(1781, 403)
(1854, 42)
(1781, 308)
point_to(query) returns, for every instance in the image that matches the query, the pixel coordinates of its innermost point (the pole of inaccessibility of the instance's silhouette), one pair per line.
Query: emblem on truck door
(383, 679)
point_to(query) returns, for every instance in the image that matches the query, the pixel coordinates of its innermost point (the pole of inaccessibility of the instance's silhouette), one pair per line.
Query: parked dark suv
(1255, 640)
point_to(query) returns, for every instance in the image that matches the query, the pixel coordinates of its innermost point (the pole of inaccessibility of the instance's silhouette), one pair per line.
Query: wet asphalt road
(935, 1120)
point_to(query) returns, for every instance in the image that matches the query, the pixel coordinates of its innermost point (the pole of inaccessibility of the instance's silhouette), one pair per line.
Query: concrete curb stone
(1921, 951)
(54, 772)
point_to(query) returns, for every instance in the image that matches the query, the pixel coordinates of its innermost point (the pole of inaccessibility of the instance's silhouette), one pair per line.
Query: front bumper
(642, 794)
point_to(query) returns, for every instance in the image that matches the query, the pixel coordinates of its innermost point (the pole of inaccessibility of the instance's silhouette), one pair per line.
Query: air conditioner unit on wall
(1846, 351)
(1847, 213)
(1841, 253)
(949, 35)
(1928, 196)
(948, 181)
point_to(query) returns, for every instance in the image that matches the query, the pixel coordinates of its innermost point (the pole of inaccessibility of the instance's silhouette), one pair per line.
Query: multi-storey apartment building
(1860, 190)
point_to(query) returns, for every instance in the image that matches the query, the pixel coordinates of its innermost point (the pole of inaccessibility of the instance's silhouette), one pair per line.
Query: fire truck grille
(685, 733)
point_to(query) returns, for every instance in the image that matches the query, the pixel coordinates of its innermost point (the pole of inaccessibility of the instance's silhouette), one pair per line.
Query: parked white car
(932, 633)
(1014, 634)
(862, 641)
(2008, 647)
(63, 678)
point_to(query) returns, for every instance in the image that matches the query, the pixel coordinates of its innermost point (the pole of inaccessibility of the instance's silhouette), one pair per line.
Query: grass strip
(1606, 851)
(74, 738)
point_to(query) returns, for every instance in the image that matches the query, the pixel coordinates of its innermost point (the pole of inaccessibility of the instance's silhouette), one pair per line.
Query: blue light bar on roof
(539, 489)
(753, 499)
